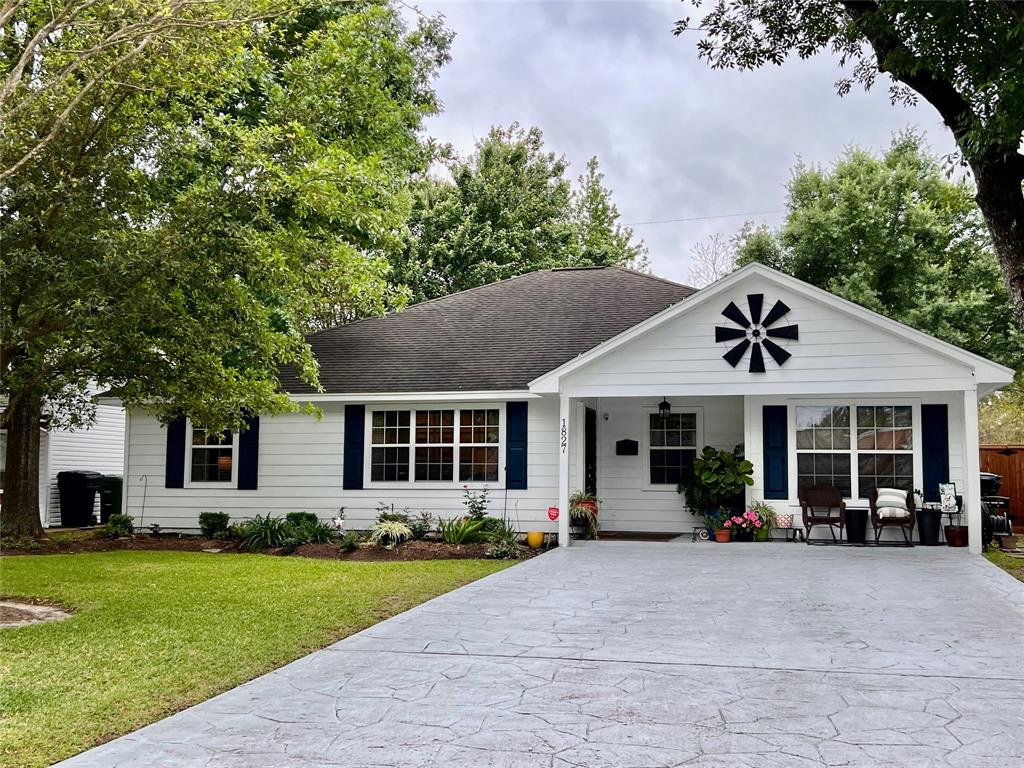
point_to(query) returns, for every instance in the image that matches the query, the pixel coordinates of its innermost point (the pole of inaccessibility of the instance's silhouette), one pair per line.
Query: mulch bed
(411, 550)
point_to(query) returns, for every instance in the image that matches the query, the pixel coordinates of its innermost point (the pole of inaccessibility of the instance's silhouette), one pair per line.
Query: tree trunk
(1002, 202)
(20, 513)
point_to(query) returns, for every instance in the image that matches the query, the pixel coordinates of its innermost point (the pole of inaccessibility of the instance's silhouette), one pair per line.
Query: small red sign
(552, 513)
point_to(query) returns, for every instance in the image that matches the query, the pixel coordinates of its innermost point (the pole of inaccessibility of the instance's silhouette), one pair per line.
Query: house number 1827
(564, 437)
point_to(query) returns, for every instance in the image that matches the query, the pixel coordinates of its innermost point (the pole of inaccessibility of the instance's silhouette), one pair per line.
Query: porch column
(972, 470)
(563, 471)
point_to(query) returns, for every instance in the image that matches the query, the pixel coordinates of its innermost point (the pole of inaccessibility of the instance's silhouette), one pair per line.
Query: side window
(673, 446)
(389, 446)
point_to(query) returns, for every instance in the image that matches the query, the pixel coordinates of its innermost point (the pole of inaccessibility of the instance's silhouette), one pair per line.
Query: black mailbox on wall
(627, 448)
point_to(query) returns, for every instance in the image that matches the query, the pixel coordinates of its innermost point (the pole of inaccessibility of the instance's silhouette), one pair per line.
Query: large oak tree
(205, 201)
(964, 58)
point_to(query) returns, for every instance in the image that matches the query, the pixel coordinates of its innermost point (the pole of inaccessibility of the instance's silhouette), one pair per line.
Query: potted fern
(583, 513)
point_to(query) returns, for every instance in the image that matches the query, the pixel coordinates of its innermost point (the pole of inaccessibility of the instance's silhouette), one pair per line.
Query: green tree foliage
(509, 209)
(965, 58)
(202, 204)
(1001, 416)
(893, 234)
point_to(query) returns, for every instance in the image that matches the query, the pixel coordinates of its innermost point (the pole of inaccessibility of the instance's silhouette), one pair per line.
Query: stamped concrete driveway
(642, 654)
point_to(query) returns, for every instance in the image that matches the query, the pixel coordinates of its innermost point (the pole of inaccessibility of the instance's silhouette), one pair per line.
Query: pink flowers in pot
(748, 521)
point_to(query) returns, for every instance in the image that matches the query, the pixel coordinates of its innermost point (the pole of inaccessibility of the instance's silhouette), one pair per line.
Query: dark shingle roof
(495, 337)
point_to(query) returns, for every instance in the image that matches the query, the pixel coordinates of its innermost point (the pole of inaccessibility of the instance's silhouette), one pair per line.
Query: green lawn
(1012, 565)
(156, 632)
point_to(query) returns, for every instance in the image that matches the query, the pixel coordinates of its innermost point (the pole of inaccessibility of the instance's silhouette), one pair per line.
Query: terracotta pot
(590, 506)
(956, 535)
(535, 539)
(723, 536)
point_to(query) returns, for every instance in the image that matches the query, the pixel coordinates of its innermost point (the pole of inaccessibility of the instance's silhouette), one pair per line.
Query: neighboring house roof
(495, 337)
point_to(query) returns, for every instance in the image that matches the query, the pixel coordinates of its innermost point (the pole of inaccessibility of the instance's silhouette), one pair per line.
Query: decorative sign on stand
(552, 513)
(755, 333)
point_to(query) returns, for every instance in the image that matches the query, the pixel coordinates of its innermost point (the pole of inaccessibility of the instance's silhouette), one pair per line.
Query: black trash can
(110, 497)
(77, 490)
(928, 523)
(990, 483)
(856, 523)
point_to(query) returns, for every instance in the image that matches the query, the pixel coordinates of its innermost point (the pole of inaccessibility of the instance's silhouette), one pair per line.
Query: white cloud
(674, 138)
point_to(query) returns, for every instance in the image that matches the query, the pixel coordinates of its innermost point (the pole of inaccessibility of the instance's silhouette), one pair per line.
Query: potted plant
(768, 517)
(744, 526)
(716, 480)
(583, 513)
(715, 521)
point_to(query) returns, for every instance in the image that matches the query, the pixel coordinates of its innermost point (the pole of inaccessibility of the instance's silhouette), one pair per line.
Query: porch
(631, 454)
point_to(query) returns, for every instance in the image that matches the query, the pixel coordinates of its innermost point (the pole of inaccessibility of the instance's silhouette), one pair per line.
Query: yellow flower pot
(535, 539)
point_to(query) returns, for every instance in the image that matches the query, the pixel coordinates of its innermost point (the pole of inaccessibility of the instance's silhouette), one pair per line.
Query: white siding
(835, 352)
(627, 502)
(300, 468)
(99, 448)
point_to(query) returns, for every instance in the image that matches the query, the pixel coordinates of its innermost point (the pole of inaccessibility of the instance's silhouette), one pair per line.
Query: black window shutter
(774, 422)
(934, 448)
(352, 466)
(174, 471)
(515, 445)
(249, 455)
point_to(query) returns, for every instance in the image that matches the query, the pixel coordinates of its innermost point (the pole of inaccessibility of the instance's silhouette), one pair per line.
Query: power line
(705, 218)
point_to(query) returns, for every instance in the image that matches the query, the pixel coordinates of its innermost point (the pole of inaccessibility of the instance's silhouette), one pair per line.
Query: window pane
(434, 463)
(430, 427)
(902, 416)
(865, 439)
(885, 470)
(389, 464)
(841, 416)
(667, 466)
(823, 439)
(804, 439)
(865, 416)
(824, 469)
(883, 416)
(883, 439)
(479, 426)
(903, 439)
(390, 428)
(211, 465)
(813, 416)
(841, 438)
(478, 464)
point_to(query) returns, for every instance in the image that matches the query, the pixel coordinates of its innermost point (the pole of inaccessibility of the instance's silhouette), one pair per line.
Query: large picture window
(211, 456)
(426, 445)
(672, 447)
(855, 447)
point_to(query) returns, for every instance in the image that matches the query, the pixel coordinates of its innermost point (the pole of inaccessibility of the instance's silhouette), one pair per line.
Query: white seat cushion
(891, 497)
(893, 513)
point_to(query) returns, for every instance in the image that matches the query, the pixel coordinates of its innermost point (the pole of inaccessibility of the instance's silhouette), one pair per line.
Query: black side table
(856, 523)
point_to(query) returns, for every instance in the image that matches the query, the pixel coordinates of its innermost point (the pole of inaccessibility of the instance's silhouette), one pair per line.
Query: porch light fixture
(664, 409)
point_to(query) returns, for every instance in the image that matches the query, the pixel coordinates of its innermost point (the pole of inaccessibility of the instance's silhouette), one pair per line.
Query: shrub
(421, 525)
(118, 525)
(214, 524)
(350, 542)
(314, 532)
(386, 514)
(460, 530)
(495, 528)
(506, 549)
(390, 533)
(236, 531)
(475, 502)
(265, 532)
(298, 518)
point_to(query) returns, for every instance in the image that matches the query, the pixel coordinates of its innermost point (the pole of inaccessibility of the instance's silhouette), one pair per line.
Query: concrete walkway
(646, 654)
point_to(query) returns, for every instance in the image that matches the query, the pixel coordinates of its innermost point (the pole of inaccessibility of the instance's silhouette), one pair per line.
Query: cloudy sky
(674, 138)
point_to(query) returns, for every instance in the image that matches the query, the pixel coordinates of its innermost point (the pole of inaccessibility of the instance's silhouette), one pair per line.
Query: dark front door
(590, 452)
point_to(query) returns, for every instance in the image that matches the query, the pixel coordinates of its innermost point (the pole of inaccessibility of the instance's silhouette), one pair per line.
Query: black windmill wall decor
(756, 332)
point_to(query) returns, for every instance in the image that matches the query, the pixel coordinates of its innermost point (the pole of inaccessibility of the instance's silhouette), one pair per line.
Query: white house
(100, 448)
(550, 382)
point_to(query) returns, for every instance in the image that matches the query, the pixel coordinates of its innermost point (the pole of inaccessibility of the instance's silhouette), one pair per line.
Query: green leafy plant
(420, 525)
(768, 516)
(265, 532)
(214, 524)
(475, 502)
(505, 550)
(118, 525)
(386, 514)
(299, 518)
(314, 532)
(716, 479)
(583, 512)
(390, 533)
(350, 542)
(460, 530)
(236, 531)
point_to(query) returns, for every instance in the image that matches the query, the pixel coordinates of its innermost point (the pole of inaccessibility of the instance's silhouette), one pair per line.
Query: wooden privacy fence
(1008, 461)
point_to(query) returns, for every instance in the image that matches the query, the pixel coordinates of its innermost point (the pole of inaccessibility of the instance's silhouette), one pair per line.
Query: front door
(590, 452)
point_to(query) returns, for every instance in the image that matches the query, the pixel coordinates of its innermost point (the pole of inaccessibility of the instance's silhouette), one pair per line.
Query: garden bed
(79, 540)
